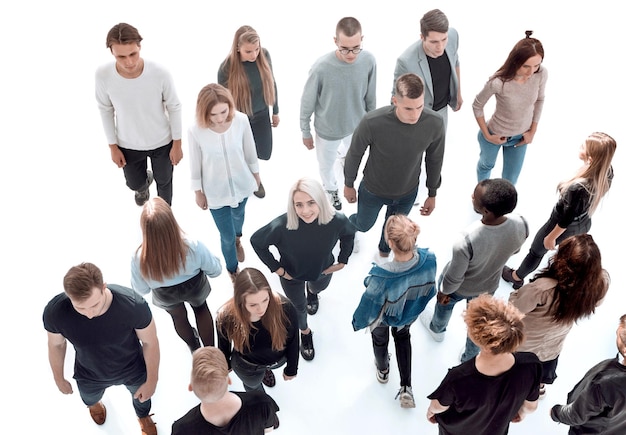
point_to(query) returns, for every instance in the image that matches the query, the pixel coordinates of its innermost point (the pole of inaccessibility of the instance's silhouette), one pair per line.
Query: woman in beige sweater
(570, 288)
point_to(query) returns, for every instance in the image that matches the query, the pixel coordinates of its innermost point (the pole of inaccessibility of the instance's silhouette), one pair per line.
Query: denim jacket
(396, 298)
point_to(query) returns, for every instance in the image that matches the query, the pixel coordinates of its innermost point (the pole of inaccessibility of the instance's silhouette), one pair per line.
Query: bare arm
(459, 98)
(549, 241)
(57, 346)
(527, 408)
(435, 408)
(151, 355)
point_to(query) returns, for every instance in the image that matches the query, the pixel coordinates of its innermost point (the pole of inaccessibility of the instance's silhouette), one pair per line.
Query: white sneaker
(425, 318)
(356, 247)
(406, 397)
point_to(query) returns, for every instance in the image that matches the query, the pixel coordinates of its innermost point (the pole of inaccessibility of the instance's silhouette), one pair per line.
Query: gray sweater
(395, 153)
(479, 255)
(339, 94)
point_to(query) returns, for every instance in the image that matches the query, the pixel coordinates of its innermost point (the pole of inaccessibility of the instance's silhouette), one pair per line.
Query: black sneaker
(269, 379)
(507, 275)
(141, 196)
(306, 347)
(334, 199)
(312, 301)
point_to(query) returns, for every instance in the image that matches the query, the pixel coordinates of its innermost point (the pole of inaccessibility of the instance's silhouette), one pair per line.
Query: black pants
(162, 169)
(402, 340)
(262, 132)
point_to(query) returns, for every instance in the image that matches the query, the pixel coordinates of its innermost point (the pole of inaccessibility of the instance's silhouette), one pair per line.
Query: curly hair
(494, 324)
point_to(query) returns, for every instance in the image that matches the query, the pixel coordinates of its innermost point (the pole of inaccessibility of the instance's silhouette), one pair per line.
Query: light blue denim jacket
(396, 298)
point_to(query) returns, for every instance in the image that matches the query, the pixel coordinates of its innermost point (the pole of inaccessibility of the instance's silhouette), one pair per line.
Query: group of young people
(512, 347)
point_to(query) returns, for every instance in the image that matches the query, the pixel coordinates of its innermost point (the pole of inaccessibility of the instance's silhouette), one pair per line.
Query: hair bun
(529, 33)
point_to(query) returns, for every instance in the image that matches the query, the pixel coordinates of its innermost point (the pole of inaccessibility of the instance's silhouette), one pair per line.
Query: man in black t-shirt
(114, 336)
(220, 411)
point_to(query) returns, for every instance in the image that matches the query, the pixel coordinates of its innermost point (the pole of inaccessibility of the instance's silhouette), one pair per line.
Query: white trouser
(328, 151)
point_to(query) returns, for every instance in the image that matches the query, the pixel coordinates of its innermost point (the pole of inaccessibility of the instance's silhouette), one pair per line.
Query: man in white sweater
(141, 115)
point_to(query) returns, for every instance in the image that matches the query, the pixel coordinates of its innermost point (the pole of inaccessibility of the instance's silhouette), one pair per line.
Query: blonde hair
(209, 96)
(494, 324)
(596, 174)
(238, 81)
(209, 374)
(402, 231)
(315, 190)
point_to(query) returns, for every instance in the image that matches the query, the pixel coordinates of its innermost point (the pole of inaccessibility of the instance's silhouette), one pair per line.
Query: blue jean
(229, 222)
(440, 320)
(512, 158)
(369, 206)
(91, 392)
(162, 169)
(296, 293)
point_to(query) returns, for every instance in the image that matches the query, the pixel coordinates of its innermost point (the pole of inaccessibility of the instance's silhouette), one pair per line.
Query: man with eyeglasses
(340, 90)
(597, 403)
(435, 59)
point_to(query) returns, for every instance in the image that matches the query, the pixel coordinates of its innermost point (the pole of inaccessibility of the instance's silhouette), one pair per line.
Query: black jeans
(262, 132)
(402, 340)
(162, 169)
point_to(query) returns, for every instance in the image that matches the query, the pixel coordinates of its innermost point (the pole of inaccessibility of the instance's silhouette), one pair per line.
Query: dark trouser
(537, 249)
(262, 132)
(251, 374)
(369, 206)
(295, 290)
(91, 392)
(402, 340)
(549, 370)
(162, 169)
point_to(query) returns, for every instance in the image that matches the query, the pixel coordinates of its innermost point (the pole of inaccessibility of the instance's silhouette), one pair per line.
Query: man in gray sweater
(398, 136)
(478, 255)
(341, 88)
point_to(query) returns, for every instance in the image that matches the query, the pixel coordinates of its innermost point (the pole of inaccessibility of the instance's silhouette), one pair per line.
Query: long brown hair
(596, 173)
(234, 319)
(581, 281)
(163, 251)
(238, 81)
(523, 50)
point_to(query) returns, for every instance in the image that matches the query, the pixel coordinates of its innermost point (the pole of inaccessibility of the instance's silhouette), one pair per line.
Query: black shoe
(269, 379)
(312, 301)
(142, 196)
(261, 192)
(306, 347)
(507, 275)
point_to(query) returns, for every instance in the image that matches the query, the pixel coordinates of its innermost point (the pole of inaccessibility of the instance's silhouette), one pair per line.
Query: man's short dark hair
(499, 196)
(123, 33)
(434, 21)
(409, 85)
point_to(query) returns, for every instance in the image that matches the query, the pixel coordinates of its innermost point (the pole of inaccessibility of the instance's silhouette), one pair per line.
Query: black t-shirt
(107, 347)
(440, 72)
(257, 413)
(481, 404)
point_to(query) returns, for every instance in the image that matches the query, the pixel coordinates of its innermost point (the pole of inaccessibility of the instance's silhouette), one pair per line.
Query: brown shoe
(241, 255)
(233, 275)
(98, 413)
(148, 427)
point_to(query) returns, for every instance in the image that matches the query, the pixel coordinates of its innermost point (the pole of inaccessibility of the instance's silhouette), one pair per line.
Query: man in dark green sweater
(397, 136)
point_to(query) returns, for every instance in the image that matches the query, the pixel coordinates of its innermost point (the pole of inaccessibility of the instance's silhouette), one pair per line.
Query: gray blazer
(414, 60)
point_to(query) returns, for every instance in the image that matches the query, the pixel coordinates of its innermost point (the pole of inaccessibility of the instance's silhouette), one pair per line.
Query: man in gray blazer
(435, 59)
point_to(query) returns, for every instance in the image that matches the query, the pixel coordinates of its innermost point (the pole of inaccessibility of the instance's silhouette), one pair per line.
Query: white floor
(65, 202)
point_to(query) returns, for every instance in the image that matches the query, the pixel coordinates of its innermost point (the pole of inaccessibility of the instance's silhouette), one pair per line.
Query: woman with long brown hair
(258, 331)
(175, 267)
(247, 73)
(569, 289)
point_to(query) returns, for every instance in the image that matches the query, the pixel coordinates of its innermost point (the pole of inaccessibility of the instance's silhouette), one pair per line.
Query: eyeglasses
(345, 51)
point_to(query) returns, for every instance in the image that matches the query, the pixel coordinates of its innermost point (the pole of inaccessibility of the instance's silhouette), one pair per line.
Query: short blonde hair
(209, 96)
(494, 324)
(209, 374)
(402, 231)
(315, 190)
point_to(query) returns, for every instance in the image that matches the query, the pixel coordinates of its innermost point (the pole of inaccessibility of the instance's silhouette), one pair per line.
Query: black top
(261, 351)
(257, 413)
(481, 404)
(440, 72)
(107, 347)
(597, 404)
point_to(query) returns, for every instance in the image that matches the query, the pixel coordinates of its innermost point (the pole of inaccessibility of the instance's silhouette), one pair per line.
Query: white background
(65, 202)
